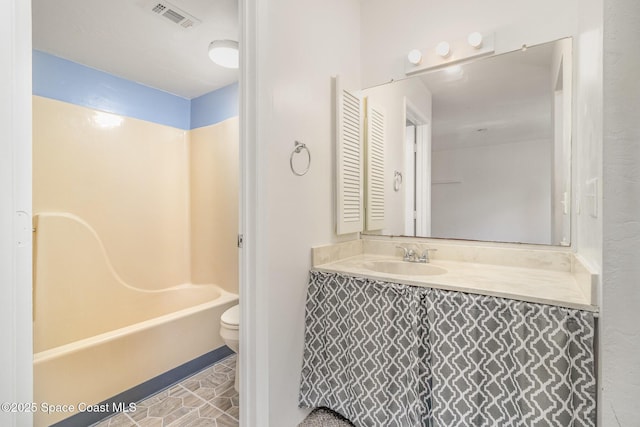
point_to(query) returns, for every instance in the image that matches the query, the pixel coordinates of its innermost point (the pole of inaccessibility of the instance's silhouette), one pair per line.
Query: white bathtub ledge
(66, 349)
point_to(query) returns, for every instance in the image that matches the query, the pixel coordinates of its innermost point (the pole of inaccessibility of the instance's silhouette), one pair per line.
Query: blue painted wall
(214, 107)
(68, 81)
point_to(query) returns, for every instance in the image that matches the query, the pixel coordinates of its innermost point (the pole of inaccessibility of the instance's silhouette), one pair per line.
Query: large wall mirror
(480, 150)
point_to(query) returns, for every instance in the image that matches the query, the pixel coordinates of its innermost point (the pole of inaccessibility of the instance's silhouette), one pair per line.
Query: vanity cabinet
(391, 354)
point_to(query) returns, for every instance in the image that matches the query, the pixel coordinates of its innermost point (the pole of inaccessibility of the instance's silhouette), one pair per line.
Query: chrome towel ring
(298, 147)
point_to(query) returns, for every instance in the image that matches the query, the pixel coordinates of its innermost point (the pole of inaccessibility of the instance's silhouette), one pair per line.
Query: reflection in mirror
(484, 148)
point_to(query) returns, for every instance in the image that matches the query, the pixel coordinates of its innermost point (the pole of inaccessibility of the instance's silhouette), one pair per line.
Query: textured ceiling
(124, 38)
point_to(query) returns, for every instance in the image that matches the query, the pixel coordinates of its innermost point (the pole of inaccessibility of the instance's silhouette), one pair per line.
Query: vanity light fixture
(452, 52)
(225, 53)
(475, 40)
(415, 56)
(443, 49)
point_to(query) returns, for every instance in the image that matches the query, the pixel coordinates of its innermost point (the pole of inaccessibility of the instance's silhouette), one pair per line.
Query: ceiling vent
(173, 13)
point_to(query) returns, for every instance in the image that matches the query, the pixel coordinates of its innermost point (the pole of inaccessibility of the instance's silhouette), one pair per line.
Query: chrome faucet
(411, 255)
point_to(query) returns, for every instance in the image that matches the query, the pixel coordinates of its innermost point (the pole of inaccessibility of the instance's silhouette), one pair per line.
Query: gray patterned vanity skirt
(385, 354)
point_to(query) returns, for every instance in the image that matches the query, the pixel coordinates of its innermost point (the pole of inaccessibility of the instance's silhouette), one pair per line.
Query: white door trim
(422, 168)
(16, 351)
(423, 180)
(254, 362)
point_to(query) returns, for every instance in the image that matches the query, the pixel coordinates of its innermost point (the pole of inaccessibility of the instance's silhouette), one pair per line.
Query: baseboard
(147, 388)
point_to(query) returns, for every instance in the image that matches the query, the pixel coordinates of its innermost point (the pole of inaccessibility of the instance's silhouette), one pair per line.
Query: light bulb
(415, 56)
(475, 40)
(443, 49)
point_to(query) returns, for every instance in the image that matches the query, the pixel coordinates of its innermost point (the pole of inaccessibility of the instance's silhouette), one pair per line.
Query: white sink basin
(404, 268)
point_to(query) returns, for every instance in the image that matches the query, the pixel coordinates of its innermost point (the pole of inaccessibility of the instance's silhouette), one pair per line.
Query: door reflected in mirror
(483, 148)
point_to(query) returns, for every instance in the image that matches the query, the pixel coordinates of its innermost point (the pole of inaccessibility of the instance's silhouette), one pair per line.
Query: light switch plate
(591, 196)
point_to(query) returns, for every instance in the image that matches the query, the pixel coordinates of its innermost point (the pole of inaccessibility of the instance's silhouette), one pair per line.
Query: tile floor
(204, 399)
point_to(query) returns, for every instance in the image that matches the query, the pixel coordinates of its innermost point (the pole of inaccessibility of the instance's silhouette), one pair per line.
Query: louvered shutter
(349, 161)
(375, 137)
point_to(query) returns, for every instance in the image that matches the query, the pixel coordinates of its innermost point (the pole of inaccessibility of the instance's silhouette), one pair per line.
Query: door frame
(16, 355)
(423, 167)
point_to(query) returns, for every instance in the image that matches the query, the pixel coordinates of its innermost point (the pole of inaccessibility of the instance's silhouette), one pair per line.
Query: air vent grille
(174, 14)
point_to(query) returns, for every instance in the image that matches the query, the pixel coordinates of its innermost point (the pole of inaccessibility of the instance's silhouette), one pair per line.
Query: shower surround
(134, 258)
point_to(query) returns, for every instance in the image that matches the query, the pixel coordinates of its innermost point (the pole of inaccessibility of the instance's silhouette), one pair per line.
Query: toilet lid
(231, 317)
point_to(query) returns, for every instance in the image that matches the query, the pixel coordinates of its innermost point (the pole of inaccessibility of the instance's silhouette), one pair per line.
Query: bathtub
(96, 336)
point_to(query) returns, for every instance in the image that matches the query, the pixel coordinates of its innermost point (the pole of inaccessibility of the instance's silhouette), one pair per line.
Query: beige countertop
(559, 288)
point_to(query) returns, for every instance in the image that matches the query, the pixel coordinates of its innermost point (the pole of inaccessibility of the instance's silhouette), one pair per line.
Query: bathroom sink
(404, 268)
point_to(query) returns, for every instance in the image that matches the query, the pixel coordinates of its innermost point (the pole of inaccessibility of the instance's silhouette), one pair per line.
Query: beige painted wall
(214, 204)
(130, 180)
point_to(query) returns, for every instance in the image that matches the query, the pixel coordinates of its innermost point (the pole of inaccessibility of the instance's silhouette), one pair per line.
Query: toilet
(229, 331)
